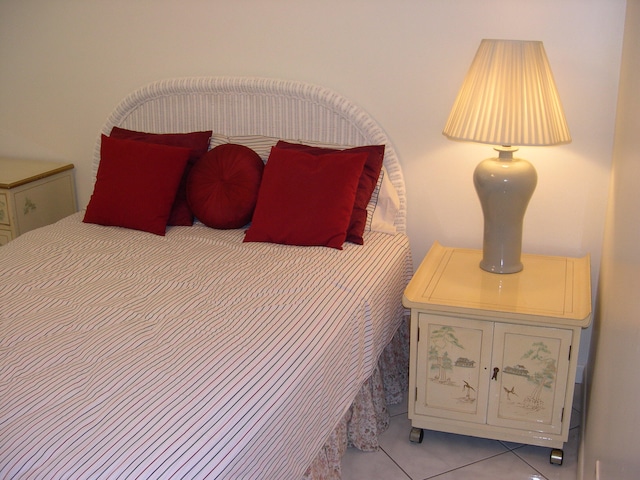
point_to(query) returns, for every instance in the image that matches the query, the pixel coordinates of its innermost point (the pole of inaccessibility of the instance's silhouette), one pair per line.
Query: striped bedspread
(128, 355)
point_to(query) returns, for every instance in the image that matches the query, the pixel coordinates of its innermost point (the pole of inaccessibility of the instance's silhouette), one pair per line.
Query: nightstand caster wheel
(416, 435)
(556, 456)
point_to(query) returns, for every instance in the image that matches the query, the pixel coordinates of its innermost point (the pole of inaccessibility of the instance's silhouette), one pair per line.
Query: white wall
(613, 417)
(66, 63)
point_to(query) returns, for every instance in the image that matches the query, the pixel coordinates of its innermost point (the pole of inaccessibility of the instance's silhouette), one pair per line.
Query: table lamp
(508, 99)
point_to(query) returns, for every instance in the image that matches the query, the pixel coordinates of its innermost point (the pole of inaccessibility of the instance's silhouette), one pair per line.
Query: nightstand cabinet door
(528, 392)
(453, 360)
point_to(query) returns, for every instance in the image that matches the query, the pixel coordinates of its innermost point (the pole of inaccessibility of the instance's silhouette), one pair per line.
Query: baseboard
(583, 425)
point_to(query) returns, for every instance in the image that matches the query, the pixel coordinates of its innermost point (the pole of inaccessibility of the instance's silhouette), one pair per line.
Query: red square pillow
(136, 184)
(222, 188)
(306, 199)
(198, 142)
(366, 184)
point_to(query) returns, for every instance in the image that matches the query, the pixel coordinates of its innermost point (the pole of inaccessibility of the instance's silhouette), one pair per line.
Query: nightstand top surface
(16, 172)
(451, 280)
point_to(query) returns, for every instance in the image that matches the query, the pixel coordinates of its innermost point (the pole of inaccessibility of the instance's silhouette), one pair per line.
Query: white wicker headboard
(254, 106)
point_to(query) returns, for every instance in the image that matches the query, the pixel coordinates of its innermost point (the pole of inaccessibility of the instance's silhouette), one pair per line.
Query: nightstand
(33, 194)
(495, 355)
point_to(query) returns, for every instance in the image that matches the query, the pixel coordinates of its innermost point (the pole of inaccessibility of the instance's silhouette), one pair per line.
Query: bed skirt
(368, 416)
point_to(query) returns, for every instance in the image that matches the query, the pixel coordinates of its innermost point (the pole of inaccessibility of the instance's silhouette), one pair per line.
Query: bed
(198, 352)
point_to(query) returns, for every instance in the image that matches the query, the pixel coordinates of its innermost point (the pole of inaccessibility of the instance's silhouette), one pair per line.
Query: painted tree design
(543, 378)
(440, 340)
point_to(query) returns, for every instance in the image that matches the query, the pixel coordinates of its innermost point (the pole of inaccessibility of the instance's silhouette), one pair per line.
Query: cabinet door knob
(495, 373)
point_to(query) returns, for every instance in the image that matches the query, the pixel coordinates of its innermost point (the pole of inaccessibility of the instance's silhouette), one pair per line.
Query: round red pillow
(222, 187)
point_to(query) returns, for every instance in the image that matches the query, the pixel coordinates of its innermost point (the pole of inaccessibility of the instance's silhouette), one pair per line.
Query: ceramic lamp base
(504, 186)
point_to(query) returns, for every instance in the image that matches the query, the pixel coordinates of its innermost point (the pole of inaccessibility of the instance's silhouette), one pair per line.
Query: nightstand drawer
(43, 202)
(4, 210)
(5, 236)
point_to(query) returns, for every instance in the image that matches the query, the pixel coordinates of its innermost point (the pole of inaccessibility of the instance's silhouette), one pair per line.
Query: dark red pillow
(306, 199)
(222, 188)
(366, 184)
(198, 142)
(136, 184)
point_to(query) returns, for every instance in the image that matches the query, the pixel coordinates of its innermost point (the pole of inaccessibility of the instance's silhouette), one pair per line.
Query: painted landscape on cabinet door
(528, 380)
(535, 387)
(453, 371)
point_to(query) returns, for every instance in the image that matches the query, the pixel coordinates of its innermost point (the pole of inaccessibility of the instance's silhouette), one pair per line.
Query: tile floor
(445, 456)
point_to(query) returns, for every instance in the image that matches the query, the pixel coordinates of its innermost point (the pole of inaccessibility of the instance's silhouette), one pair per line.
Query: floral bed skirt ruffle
(368, 416)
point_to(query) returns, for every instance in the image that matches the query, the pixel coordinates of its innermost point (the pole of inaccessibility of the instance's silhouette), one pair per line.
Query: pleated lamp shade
(509, 97)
